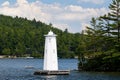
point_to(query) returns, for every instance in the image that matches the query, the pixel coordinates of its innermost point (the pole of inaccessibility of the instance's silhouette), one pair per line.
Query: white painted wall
(50, 52)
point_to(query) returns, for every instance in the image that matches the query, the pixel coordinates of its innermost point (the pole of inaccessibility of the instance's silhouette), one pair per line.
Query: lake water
(23, 69)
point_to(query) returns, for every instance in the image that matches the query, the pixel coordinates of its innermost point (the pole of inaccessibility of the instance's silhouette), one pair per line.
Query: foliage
(20, 36)
(102, 47)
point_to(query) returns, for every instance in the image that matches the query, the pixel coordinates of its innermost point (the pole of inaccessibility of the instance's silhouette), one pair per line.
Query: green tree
(103, 44)
(114, 17)
(6, 51)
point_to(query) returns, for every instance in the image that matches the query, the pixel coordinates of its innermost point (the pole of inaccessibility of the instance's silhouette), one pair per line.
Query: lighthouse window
(49, 39)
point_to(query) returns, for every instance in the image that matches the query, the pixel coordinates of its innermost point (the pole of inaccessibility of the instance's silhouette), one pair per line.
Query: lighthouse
(50, 52)
(50, 66)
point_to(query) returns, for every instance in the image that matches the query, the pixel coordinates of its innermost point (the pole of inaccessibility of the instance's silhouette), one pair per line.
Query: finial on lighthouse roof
(50, 33)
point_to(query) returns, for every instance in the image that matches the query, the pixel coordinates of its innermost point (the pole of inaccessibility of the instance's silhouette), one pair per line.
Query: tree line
(21, 37)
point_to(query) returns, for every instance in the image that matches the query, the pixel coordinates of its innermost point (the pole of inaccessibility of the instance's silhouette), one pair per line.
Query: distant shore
(14, 57)
(29, 57)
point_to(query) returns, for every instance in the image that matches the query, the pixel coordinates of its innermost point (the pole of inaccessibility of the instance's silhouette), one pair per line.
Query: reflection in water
(49, 77)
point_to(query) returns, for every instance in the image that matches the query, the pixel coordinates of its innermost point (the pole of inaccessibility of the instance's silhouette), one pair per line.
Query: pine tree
(112, 22)
(114, 16)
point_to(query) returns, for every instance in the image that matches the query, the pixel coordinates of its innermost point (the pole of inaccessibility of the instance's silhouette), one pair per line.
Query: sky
(74, 15)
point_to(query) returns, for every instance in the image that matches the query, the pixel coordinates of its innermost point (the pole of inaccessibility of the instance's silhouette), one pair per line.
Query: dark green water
(17, 69)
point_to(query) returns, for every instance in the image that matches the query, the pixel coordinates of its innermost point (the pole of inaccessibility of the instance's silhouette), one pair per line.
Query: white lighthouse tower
(50, 66)
(50, 52)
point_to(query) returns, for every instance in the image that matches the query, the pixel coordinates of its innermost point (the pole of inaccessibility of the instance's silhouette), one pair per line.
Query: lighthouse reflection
(49, 77)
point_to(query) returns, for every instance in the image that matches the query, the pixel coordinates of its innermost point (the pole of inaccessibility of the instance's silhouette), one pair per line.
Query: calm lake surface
(23, 69)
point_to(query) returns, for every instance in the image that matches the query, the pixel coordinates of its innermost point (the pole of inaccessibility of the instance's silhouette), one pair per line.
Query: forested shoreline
(22, 37)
